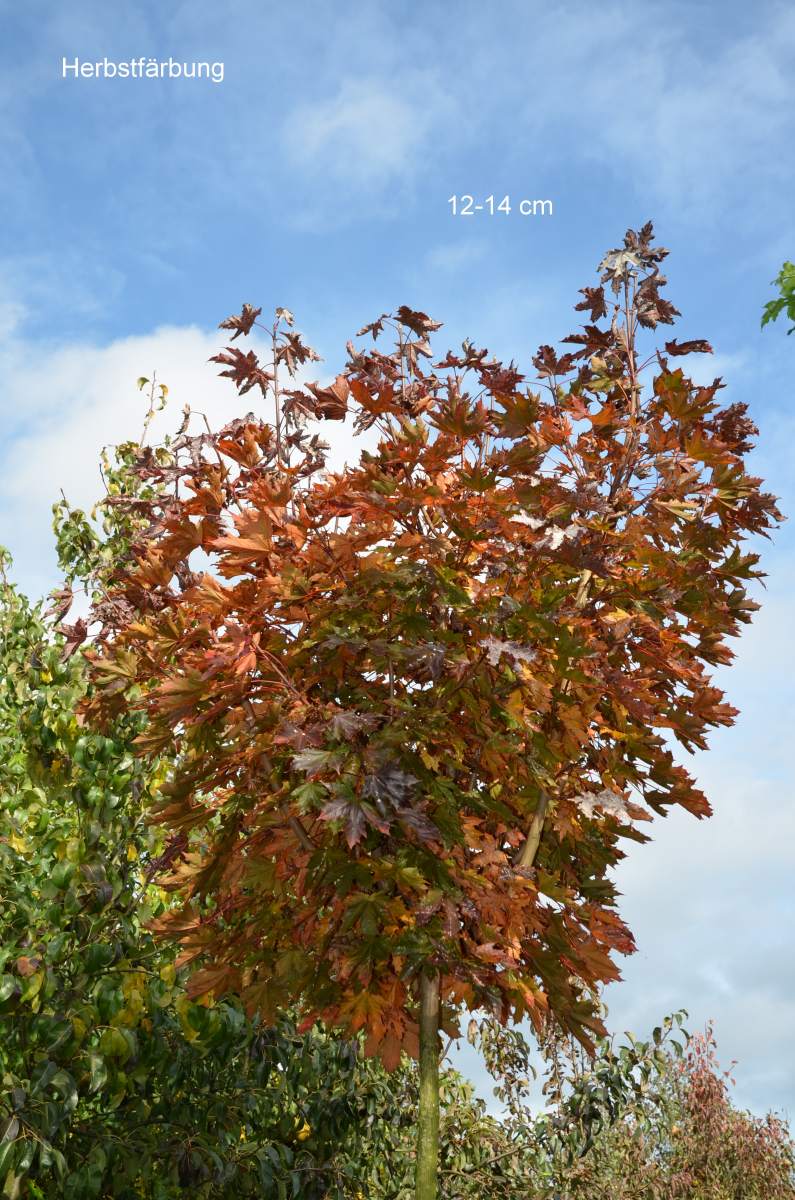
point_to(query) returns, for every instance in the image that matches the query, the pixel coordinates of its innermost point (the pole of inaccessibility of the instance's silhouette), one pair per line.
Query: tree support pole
(526, 856)
(427, 1178)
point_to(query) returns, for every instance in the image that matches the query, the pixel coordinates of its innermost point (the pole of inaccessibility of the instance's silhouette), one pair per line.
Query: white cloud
(63, 404)
(704, 368)
(369, 140)
(687, 119)
(453, 256)
(36, 282)
(710, 901)
(365, 133)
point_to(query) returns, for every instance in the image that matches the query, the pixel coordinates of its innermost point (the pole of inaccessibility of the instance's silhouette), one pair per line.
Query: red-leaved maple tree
(416, 704)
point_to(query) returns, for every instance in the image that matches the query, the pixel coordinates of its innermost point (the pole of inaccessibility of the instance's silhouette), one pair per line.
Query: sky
(317, 174)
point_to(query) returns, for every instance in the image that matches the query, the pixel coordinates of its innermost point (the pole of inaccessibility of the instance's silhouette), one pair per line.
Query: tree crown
(416, 703)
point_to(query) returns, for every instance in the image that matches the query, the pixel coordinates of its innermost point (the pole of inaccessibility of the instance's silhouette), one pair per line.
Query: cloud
(703, 369)
(710, 901)
(37, 282)
(453, 256)
(364, 133)
(688, 118)
(62, 404)
(369, 138)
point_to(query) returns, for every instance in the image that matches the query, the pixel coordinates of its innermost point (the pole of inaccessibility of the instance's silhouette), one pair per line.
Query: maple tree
(415, 705)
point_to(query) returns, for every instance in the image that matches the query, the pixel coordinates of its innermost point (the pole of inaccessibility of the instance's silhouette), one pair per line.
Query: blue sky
(136, 214)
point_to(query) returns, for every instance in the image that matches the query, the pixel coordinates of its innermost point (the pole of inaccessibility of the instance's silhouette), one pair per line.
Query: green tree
(785, 301)
(678, 1134)
(115, 1082)
(640, 1120)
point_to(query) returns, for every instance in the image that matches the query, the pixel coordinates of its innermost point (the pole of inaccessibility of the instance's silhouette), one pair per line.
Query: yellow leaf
(183, 1006)
(34, 986)
(130, 985)
(430, 760)
(168, 974)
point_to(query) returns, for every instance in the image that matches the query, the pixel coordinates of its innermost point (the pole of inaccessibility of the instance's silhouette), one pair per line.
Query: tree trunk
(527, 855)
(428, 1124)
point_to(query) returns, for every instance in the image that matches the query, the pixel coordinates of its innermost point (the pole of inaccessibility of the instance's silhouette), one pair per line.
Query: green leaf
(8, 985)
(63, 1082)
(114, 1045)
(97, 1072)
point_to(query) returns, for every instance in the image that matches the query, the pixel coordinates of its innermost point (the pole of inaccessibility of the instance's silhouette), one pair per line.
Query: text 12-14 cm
(465, 206)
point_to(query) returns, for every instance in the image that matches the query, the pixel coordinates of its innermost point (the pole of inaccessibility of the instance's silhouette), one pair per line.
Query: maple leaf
(418, 322)
(244, 370)
(315, 762)
(364, 1009)
(496, 647)
(608, 801)
(389, 783)
(328, 403)
(62, 601)
(418, 822)
(675, 348)
(375, 328)
(242, 323)
(74, 636)
(618, 265)
(355, 816)
(293, 352)
(548, 363)
(426, 659)
(594, 302)
(390, 1051)
(652, 308)
(345, 724)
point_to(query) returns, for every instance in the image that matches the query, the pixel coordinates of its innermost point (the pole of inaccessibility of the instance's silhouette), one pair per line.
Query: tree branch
(301, 834)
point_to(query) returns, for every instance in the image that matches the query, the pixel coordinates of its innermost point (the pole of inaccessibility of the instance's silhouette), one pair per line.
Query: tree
(785, 301)
(676, 1133)
(413, 706)
(113, 1082)
(641, 1120)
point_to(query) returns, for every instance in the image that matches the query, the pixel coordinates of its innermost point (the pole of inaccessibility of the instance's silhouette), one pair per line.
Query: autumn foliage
(418, 704)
